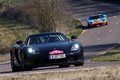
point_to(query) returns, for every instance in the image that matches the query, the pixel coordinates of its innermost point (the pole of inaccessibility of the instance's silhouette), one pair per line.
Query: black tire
(79, 64)
(23, 65)
(88, 26)
(63, 66)
(80, 58)
(13, 66)
(106, 23)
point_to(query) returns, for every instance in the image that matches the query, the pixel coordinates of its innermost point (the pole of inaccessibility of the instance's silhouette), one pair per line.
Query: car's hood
(53, 46)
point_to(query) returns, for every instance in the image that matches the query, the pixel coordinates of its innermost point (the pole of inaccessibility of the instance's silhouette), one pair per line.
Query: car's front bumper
(57, 63)
(95, 24)
(38, 60)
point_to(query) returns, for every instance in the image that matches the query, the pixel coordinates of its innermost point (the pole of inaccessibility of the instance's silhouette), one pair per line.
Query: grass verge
(110, 55)
(100, 73)
(4, 58)
(74, 26)
(10, 31)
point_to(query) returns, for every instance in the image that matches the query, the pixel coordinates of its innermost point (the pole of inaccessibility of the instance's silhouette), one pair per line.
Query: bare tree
(45, 15)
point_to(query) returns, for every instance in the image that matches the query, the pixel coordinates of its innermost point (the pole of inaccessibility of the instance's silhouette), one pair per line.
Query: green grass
(75, 27)
(110, 55)
(11, 31)
(4, 58)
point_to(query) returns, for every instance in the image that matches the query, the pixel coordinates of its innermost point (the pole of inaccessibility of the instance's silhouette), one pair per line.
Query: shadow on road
(92, 50)
(109, 1)
(99, 47)
(6, 72)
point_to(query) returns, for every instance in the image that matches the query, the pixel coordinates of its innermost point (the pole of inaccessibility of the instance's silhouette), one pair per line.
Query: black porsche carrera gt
(46, 49)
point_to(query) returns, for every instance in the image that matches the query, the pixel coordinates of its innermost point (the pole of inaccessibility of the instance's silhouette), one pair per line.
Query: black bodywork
(44, 50)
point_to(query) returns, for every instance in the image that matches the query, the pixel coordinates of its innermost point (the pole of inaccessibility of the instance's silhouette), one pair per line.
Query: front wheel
(106, 23)
(88, 26)
(24, 67)
(13, 66)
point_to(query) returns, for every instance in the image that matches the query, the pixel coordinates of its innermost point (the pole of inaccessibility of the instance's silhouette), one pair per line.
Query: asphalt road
(95, 41)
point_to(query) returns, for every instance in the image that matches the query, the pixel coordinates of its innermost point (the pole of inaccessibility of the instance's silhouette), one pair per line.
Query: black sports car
(46, 49)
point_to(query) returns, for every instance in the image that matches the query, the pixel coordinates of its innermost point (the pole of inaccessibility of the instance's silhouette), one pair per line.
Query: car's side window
(33, 40)
(28, 41)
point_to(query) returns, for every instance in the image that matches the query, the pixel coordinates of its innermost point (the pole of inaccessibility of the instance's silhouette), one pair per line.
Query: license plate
(97, 25)
(58, 56)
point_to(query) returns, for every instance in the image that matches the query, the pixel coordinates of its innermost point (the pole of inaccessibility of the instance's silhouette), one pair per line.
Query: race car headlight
(31, 50)
(103, 20)
(75, 47)
(89, 22)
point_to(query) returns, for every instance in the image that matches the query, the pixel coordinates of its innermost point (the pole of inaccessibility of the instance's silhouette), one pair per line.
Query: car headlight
(103, 20)
(75, 47)
(89, 22)
(31, 50)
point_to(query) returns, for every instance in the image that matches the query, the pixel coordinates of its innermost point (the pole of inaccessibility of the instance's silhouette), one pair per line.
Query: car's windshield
(46, 38)
(96, 17)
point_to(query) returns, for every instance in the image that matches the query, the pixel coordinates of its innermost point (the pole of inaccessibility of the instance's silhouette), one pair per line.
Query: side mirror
(73, 38)
(19, 42)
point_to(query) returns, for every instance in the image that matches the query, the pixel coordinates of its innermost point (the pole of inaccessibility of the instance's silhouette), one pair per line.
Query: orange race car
(97, 20)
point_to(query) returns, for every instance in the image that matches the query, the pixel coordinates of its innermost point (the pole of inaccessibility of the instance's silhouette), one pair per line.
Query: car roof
(96, 15)
(46, 33)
